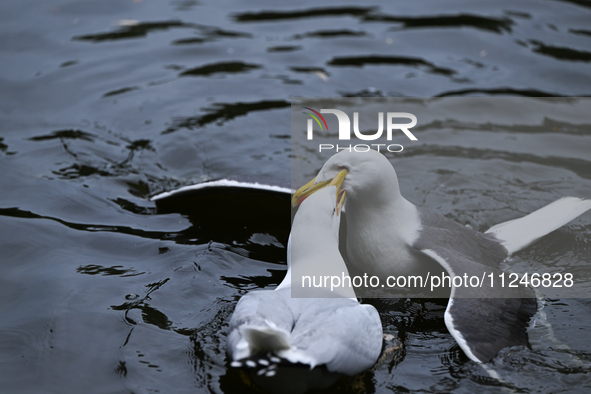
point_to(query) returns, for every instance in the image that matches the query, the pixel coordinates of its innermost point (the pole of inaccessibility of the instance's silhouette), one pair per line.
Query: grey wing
(443, 233)
(263, 309)
(487, 318)
(483, 319)
(339, 333)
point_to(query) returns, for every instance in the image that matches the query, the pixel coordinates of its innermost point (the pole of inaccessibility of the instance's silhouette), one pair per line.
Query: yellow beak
(310, 188)
(307, 190)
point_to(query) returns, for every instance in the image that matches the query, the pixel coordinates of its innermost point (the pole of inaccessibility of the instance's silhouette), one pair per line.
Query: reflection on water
(220, 113)
(104, 104)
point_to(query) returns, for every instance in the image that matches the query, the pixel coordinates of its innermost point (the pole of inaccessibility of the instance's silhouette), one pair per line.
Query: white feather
(516, 234)
(265, 339)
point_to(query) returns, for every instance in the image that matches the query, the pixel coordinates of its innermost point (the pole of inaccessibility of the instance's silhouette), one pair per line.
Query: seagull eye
(343, 168)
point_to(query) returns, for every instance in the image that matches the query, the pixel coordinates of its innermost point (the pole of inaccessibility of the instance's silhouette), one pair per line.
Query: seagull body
(388, 235)
(296, 344)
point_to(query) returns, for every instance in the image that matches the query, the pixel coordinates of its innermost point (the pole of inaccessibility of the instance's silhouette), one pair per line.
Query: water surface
(106, 103)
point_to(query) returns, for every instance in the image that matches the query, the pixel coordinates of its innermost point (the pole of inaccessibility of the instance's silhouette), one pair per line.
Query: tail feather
(264, 348)
(261, 364)
(273, 341)
(265, 339)
(516, 234)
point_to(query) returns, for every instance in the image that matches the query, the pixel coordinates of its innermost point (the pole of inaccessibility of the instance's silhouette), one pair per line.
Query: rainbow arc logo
(316, 118)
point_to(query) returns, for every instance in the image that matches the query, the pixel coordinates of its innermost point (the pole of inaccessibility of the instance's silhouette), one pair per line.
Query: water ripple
(220, 68)
(561, 53)
(273, 16)
(134, 29)
(495, 25)
(360, 61)
(223, 112)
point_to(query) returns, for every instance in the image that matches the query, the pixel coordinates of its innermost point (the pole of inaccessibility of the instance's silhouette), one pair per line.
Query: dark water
(106, 103)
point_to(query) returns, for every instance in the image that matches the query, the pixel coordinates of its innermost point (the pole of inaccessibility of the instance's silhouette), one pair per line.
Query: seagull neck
(314, 256)
(379, 237)
(397, 214)
(312, 251)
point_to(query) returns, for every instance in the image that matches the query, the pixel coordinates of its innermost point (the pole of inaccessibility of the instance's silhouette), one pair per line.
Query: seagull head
(356, 175)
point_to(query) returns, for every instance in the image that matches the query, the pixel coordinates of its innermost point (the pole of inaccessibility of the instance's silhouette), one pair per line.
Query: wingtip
(518, 233)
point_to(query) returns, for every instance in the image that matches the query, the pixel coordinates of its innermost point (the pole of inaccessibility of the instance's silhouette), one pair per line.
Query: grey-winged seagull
(388, 235)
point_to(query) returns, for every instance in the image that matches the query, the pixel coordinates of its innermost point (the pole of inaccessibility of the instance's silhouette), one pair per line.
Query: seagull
(388, 235)
(292, 345)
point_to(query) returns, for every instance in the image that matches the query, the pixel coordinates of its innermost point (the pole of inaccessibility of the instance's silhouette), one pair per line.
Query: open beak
(309, 188)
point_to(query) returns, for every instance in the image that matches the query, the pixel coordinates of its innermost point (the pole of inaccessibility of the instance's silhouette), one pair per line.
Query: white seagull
(291, 345)
(388, 235)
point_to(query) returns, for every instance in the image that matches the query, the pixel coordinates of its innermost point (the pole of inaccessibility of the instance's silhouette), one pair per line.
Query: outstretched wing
(482, 315)
(484, 319)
